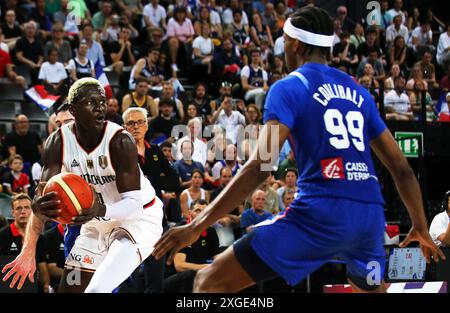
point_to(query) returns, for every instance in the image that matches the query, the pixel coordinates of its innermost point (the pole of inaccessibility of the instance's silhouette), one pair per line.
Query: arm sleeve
(196, 43)
(191, 29)
(245, 71)
(170, 29)
(129, 206)
(387, 101)
(63, 71)
(279, 104)
(71, 64)
(26, 180)
(216, 170)
(36, 171)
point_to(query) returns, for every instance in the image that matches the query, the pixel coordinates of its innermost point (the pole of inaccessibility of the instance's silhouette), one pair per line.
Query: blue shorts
(314, 232)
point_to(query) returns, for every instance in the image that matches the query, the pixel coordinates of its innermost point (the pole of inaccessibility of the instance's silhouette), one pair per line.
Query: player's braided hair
(315, 20)
(74, 91)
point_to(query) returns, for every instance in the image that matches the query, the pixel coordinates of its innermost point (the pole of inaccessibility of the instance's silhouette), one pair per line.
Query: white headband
(306, 36)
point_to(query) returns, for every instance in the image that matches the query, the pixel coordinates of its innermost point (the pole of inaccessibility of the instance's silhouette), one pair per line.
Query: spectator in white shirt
(422, 38)
(254, 79)
(443, 49)
(154, 15)
(396, 29)
(227, 15)
(229, 118)
(396, 102)
(278, 49)
(397, 10)
(194, 135)
(203, 49)
(439, 228)
(52, 73)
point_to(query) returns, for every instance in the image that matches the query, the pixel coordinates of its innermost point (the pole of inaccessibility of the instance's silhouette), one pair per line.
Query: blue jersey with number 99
(332, 120)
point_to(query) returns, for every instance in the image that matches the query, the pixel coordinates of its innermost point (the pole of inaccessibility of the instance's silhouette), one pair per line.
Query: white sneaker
(175, 68)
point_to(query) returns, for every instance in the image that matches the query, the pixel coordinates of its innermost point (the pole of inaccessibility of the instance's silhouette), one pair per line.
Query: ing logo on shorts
(88, 260)
(333, 168)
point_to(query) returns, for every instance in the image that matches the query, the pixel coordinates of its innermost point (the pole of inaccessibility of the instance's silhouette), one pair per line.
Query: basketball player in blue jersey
(332, 123)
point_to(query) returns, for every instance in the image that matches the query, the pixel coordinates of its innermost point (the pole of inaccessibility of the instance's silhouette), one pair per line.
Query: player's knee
(206, 282)
(203, 282)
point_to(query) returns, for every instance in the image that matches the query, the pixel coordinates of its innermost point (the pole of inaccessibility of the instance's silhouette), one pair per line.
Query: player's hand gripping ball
(74, 193)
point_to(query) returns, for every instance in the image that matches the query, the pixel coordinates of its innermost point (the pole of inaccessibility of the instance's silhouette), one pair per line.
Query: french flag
(441, 108)
(101, 77)
(41, 97)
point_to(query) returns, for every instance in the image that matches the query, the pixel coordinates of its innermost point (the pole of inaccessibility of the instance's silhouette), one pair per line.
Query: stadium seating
(34, 112)
(11, 92)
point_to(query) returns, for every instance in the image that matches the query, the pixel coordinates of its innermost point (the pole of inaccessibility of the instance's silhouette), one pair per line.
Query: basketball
(74, 193)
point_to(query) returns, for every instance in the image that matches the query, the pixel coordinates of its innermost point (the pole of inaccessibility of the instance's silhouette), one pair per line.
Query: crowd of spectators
(206, 65)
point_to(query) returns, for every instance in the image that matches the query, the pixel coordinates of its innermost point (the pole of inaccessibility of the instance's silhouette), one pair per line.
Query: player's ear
(71, 109)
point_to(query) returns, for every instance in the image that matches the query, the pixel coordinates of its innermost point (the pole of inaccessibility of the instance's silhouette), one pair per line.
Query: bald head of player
(87, 102)
(308, 37)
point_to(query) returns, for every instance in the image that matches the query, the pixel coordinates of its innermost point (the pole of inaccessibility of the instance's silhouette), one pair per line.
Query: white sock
(120, 262)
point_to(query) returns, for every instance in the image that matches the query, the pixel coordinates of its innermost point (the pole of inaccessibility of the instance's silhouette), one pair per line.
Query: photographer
(229, 117)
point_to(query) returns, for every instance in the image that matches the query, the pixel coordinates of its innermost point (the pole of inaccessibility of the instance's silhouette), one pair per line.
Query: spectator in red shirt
(16, 181)
(7, 72)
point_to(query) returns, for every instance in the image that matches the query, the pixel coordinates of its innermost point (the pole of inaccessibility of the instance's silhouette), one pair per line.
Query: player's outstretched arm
(43, 207)
(272, 137)
(387, 150)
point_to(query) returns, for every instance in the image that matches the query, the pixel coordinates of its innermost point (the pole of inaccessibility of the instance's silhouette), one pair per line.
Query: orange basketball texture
(74, 193)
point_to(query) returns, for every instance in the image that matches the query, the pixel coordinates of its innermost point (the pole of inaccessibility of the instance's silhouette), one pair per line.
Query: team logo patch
(103, 161)
(90, 163)
(88, 260)
(74, 163)
(333, 168)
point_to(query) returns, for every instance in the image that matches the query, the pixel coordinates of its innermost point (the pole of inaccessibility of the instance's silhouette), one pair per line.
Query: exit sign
(409, 143)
